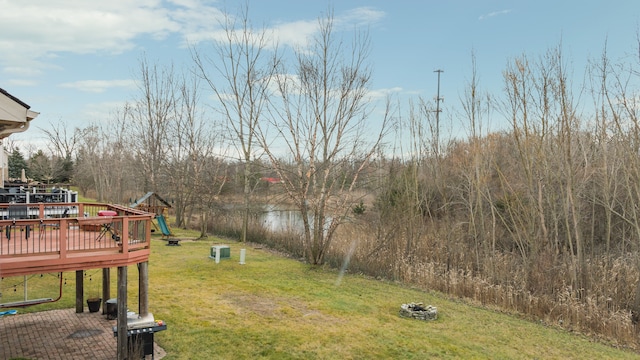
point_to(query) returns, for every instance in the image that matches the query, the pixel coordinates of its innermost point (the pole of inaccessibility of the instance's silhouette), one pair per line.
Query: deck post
(106, 288)
(62, 238)
(143, 288)
(122, 313)
(79, 291)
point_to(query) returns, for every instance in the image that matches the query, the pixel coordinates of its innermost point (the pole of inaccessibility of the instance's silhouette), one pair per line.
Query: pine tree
(16, 164)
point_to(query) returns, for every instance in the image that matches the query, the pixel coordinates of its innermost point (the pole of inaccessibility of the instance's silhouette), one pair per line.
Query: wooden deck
(71, 236)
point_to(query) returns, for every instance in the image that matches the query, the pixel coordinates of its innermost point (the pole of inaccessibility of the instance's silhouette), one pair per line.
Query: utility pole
(438, 99)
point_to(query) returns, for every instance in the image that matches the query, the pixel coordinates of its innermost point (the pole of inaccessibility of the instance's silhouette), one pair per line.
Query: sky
(75, 61)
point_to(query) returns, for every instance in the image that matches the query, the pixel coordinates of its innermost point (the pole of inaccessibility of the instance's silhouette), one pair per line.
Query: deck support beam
(143, 288)
(79, 291)
(106, 288)
(122, 313)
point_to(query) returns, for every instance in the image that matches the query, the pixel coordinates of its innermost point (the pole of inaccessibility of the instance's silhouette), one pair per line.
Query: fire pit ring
(419, 311)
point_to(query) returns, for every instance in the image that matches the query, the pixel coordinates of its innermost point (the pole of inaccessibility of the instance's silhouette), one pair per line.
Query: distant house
(272, 180)
(15, 117)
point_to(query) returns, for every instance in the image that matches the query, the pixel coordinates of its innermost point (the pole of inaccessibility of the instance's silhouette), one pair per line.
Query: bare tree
(62, 145)
(105, 161)
(85, 176)
(62, 141)
(149, 120)
(317, 139)
(140, 150)
(481, 218)
(245, 70)
(528, 106)
(193, 160)
(620, 105)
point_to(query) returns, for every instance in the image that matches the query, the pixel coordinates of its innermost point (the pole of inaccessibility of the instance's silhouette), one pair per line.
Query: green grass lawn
(277, 308)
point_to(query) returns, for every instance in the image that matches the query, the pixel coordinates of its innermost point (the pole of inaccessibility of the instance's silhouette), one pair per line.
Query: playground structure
(153, 203)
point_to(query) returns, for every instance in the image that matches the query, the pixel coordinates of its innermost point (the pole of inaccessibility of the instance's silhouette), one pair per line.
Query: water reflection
(278, 219)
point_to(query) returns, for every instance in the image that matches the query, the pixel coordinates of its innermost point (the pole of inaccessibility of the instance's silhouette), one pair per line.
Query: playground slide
(163, 225)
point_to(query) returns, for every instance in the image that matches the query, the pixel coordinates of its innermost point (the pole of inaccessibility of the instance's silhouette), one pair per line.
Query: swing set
(30, 302)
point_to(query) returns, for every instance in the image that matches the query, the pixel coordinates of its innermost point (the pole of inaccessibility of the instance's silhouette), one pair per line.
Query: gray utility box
(225, 251)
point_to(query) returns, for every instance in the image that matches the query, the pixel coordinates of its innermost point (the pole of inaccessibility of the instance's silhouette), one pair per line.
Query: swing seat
(33, 301)
(26, 303)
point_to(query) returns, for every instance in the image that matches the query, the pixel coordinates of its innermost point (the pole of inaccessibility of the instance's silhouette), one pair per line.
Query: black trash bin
(112, 309)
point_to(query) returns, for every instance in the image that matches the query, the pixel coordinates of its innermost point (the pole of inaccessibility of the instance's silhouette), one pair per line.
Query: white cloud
(298, 33)
(98, 86)
(35, 31)
(102, 112)
(295, 34)
(383, 93)
(22, 71)
(362, 16)
(32, 32)
(81, 27)
(197, 21)
(21, 82)
(494, 13)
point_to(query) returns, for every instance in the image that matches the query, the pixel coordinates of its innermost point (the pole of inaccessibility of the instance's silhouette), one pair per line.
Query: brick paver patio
(60, 334)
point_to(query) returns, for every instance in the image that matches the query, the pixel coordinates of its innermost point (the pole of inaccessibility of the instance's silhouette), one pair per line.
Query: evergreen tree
(16, 164)
(40, 167)
(62, 169)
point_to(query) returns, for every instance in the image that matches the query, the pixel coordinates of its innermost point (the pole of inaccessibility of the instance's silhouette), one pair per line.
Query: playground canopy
(155, 204)
(151, 202)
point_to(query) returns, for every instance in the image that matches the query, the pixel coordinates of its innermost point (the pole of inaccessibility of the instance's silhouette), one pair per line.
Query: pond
(276, 218)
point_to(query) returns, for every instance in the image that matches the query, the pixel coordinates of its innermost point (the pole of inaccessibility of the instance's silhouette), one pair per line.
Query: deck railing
(62, 234)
